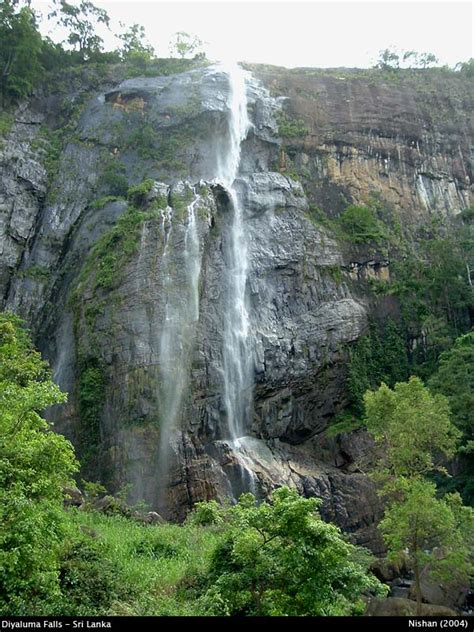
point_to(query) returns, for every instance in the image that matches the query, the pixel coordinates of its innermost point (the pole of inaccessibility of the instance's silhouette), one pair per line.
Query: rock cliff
(115, 249)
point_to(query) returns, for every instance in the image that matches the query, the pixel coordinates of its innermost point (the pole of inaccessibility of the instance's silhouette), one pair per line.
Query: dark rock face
(109, 285)
(22, 189)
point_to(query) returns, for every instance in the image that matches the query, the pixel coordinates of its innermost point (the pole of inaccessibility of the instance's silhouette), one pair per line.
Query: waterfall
(237, 351)
(181, 289)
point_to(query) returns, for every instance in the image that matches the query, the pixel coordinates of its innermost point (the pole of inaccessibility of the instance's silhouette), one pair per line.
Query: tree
(427, 532)
(185, 45)
(389, 59)
(466, 68)
(455, 379)
(20, 48)
(392, 59)
(81, 21)
(281, 558)
(135, 48)
(419, 60)
(379, 356)
(35, 464)
(410, 426)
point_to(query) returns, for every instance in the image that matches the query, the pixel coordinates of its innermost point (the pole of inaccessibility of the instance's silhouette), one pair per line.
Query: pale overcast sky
(312, 33)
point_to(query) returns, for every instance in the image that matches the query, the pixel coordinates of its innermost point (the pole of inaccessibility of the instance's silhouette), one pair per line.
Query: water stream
(181, 288)
(237, 351)
(237, 354)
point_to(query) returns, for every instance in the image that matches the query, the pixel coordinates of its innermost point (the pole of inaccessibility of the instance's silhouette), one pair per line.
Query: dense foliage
(379, 356)
(275, 558)
(411, 427)
(281, 558)
(35, 464)
(454, 378)
(26, 56)
(430, 533)
(412, 431)
(361, 225)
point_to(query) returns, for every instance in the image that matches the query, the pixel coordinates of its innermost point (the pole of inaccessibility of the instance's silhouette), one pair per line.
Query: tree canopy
(281, 558)
(455, 380)
(411, 427)
(35, 465)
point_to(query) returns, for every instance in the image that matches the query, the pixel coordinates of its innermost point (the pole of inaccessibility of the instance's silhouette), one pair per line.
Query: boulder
(451, 594)
(399, 607)
(73, 497)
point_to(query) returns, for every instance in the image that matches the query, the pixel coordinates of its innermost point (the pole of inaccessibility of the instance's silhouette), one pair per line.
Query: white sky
(312, 33)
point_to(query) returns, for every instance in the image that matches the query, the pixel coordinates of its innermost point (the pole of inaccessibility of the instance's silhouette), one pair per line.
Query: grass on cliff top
(150, 563)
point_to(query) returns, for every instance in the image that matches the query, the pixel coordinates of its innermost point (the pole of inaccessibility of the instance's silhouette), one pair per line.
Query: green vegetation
(91, 398)
(291, 128)
(114, 565)
(466, 68)
(114, 249)
(6, 122)
(432, 282)
(370, 225)
(39, 273)
(412, 431)
(20, 48)
(435, 294)
(361, 225)
(138, 193)
(454, 378)
(114, 178)
(103, 201)
(135, 49)
(281, 558)
(35, 464)
(166, 66)
(277, 557)
(392, 59)
(26, 57)
(429, 532)
(184, 44)
(379, 356)
(411, 427)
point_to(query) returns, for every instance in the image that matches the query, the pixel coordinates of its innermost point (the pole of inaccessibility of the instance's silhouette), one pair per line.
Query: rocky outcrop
(108, 280)
(399, 607)
(22, 190)
(403, 137)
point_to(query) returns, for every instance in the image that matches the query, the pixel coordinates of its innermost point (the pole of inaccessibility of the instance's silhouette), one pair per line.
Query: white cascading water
(177, 333)
(237, 352)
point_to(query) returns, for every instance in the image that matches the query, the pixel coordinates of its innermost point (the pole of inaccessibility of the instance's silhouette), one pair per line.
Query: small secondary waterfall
(237, 351)
(181, 287)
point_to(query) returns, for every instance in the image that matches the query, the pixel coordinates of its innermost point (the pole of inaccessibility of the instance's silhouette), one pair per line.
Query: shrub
(207, 513)
(281, 558)
(138, 193)
(115, 180)
(90, 581)
(361, 225)
(291, 128)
